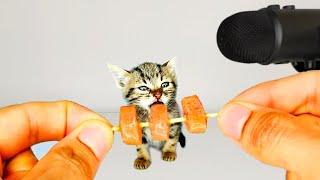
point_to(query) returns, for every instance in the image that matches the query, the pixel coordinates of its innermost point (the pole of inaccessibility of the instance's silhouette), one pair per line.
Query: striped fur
(137, 87)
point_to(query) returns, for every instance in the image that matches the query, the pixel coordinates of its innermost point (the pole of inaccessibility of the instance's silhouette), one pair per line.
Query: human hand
(278, 122)
(84, 138)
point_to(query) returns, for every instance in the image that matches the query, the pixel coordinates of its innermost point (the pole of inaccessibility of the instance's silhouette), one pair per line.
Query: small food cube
(159, 122)
(131, 131)
(196, 118)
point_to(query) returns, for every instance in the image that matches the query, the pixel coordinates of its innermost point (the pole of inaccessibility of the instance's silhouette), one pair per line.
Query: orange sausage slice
(131, 131)
(159, 122)
(196, 118)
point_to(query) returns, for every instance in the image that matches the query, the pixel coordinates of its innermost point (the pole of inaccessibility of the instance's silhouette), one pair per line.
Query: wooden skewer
(172, 121)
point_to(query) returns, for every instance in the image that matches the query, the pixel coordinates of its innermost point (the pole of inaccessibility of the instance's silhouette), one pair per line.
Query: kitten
(143, 86)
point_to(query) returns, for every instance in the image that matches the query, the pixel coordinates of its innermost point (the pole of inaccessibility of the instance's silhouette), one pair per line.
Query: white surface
(52, 50)
(59, 49)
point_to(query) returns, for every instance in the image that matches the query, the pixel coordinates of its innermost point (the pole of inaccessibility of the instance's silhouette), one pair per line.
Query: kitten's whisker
(172, 121)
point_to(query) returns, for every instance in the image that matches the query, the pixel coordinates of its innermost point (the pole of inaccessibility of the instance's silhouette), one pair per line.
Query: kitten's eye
(143, 88)
(165, 84)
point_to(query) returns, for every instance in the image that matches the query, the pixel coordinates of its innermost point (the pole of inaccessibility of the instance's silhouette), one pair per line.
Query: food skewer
(194, 117)
(171, 121)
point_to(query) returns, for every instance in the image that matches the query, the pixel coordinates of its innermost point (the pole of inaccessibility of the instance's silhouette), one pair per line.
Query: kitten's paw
(141, 163)
(169, 156)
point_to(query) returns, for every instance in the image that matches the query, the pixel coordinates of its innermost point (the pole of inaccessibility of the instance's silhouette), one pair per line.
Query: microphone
(273, 35)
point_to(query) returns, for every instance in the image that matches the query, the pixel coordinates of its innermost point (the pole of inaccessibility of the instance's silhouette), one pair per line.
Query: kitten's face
(147, 83)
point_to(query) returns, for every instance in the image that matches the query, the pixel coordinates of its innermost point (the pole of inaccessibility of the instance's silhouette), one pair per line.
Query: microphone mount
(302, 64)
(306, 65)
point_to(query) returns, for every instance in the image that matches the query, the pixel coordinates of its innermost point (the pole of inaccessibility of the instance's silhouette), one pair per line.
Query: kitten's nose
(157, 93)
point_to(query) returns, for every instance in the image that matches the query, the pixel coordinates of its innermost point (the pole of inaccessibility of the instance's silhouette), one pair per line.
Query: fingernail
(233, 118)
(97, 138)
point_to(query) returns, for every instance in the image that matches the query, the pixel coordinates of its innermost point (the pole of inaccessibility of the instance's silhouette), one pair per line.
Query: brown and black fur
(160, 85)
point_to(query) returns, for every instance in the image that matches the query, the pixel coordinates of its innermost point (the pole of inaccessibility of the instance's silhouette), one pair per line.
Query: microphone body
(272, 35)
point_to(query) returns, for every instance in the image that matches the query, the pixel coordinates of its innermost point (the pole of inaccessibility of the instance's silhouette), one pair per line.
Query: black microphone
(273, 35)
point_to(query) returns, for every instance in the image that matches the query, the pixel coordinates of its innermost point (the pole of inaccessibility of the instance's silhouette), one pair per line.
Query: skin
(282, 127)
(77, 155)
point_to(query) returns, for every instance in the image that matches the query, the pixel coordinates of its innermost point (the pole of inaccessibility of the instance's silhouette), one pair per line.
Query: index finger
(297, 94)
(23, 125)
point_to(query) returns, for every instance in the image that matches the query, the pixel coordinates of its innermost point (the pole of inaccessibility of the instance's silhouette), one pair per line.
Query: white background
(51, 50)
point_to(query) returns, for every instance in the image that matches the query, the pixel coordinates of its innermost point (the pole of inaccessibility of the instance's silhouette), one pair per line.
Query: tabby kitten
(145, 85)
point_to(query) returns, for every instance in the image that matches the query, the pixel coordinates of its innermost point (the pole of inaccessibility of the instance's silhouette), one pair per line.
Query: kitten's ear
(120, 75)
(171, 64)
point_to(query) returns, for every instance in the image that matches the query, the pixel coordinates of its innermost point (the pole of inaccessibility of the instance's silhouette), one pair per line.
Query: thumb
(78, 155)
(274, 137)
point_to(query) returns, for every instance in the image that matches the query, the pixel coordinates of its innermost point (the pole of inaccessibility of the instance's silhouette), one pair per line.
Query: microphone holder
(306, 65)
(302, 64)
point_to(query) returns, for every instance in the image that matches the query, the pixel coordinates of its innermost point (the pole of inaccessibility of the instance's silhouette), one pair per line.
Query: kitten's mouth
(156, 102)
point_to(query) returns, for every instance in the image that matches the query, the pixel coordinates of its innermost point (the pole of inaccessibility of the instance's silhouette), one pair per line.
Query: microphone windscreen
(247, 37)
